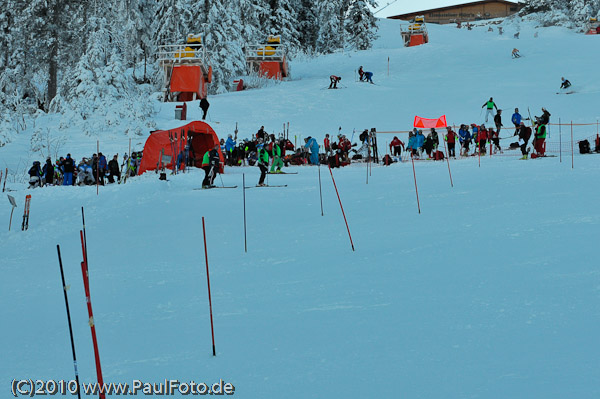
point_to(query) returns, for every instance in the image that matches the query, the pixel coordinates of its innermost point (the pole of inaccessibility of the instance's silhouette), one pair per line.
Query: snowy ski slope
(491, 292)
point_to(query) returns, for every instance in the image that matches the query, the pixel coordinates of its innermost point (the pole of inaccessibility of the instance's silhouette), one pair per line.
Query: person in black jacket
(524, 135)
(35, 175)
(498, 121)
(69, 168)
(113, 169)
(204, 104)
(48, 172)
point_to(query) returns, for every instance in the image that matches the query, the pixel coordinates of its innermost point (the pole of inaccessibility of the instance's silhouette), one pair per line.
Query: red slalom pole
(448, 160)
(212, 330)
(86, 285)
(343, 213)
(415, 176)
(572, 155)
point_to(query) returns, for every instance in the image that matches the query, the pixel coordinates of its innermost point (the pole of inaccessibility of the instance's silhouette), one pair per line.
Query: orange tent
(426, 123)
(199, 136)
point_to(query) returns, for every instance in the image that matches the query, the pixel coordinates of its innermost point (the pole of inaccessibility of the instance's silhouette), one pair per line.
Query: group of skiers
(363, 76)
(66, 171)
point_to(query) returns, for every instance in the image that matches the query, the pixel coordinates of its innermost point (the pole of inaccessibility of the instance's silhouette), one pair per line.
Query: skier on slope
(210, 164)
(490, 105)
(334, 81)
(263, 161)
(565, 83)
(368, 77)
(515, 53)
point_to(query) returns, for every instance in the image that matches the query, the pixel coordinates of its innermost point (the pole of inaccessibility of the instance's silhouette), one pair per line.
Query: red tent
(199, 135)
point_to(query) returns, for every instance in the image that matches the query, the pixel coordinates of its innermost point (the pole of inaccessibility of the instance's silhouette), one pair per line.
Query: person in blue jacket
(412, 140)
(368, 77)
(313, 146)
(464, 137)
(516, 120)
(229, 146)
(419, 141)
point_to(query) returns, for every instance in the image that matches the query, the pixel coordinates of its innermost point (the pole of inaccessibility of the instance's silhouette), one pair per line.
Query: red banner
(427, 123)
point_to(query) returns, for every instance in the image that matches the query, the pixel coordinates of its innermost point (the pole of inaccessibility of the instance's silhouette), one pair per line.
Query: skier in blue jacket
(313, 146)
(419, 141)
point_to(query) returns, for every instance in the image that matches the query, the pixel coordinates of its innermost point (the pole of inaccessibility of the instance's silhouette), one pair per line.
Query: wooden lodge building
(474, 11)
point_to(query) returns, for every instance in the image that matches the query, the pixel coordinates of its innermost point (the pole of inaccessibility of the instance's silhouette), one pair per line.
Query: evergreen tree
(330, 36)
(224, 44)
(284, 21)
(255, 20)
(361, 24)
(308, 25)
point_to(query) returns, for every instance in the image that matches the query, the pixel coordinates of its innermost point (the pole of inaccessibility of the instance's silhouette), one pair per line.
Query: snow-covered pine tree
(308, 25)
(330, 36)
(361, 24)
(224, 44)
(569, 13)
(284, 22)
(255, 20)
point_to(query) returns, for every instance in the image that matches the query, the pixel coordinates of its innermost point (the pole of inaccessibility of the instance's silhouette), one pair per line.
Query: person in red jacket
(450, 138)
(482, 138)
(396, 147)
(334, 81)
(327, 144)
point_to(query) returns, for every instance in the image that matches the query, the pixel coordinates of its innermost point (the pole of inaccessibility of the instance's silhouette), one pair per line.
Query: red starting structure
(186, 73)
(416, 33)
(593, 27)
(268, 60)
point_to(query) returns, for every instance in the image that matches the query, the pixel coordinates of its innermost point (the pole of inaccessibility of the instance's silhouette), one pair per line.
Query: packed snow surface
(492, 291)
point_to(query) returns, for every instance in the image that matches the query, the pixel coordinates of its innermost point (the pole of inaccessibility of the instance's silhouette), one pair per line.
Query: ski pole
(62, 275)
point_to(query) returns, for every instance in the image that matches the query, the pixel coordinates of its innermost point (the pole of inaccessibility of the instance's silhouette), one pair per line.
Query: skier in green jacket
(490, 105)
(263, 161)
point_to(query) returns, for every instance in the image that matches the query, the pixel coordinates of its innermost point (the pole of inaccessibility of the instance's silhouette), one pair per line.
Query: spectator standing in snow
(435, 139)
(210, 164)
(450, 138)
(334, 81)
(419, 142)
(327, 145)
(541, 132)
(313, 146)
(204, 104)
(361, 73)
(102, 167)
(498, 120)
(69, 168)
(35, 175)
(489, 105)
(229, 146)
(113, 169)
(396, 147)
(516, 120)
(48, 172)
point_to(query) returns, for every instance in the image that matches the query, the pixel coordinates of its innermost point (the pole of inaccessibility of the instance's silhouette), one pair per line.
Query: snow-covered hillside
(492, 291)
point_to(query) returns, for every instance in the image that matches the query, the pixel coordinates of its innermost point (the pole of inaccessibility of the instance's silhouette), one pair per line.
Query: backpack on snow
(438, 156)
(584, 147)
(387, 160)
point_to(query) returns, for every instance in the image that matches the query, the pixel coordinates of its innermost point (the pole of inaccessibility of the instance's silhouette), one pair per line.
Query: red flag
(427, 123)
